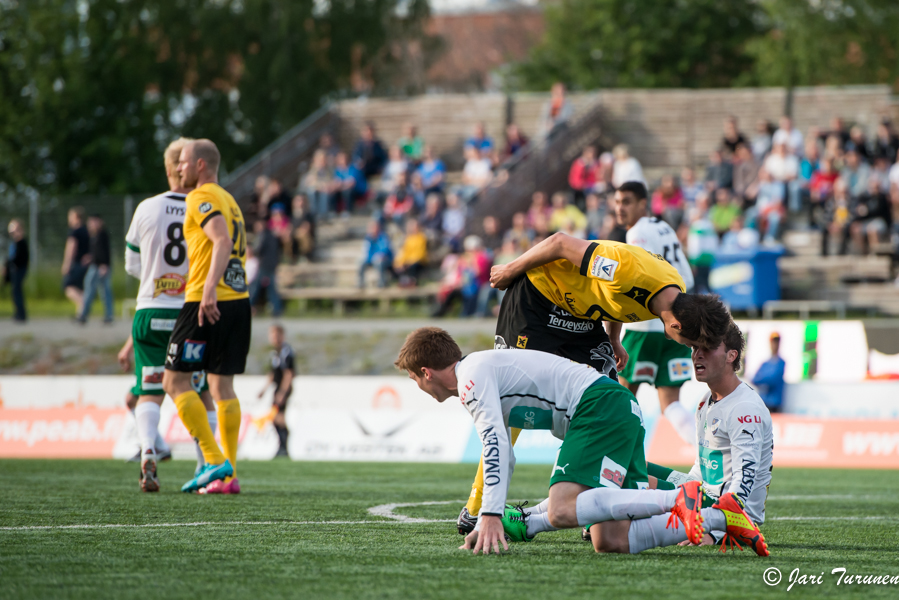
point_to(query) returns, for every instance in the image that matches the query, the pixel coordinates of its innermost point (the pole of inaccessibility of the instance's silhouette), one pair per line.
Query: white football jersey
(655, 235)
(736, 447)
(526, 389)
(156, 253)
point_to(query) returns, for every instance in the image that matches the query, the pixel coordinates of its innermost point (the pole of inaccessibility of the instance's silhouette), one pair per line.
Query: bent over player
(213, 328)
(560, 290)
(600, 471)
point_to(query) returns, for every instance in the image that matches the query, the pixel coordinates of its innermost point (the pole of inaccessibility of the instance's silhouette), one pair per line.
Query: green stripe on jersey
(132, 247)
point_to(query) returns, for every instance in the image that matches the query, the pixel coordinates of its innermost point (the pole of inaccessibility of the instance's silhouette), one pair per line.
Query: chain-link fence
(46, 226)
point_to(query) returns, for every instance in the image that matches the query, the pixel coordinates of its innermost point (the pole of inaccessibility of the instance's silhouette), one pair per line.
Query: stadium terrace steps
(341, 296)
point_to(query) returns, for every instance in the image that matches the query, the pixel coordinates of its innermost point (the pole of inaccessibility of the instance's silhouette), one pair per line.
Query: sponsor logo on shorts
(604, 268)
(645, 371)
(171, 354)
(499, 343)
(170, 284)
(679, 369)
(522, 341)
(193, 351)
(162, 324)
(151, 378)
(558, 320)
(205, 207)
(611, 474)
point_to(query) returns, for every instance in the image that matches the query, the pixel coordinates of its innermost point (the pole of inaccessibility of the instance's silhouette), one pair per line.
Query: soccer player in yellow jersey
(560, 290)
(213, 329)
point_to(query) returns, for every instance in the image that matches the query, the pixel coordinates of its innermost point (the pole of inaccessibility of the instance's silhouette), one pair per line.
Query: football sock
(229, 428)
(477, 488)
(538, 509)
(684, 423)
(193, 415)
(655, 533)
(538, 523)
(610, 504)
(213, 419)
(668, 478)
(147, 416)
(161, 445)
(282, 437)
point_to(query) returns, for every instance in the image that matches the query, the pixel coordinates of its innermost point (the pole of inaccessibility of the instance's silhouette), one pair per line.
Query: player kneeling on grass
(736, 446)
(600, 472)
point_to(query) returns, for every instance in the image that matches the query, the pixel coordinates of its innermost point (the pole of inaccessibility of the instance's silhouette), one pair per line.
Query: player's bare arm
(555, 247)
(613, 330)
(217, 232)
(125, 354)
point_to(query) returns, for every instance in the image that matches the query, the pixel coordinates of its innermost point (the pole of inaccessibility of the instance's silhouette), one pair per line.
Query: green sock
(661, 473)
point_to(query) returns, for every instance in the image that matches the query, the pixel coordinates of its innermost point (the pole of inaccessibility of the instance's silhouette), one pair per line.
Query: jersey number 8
(174, 252)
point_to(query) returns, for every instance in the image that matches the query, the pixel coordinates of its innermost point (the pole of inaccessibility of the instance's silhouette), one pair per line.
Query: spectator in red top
(401, 202)
(583, 173)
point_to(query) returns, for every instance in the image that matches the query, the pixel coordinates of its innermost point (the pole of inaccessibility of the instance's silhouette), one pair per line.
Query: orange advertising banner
(803, 442)
(60, 432)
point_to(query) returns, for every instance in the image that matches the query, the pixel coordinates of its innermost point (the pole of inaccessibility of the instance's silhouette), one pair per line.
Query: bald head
(199, 163)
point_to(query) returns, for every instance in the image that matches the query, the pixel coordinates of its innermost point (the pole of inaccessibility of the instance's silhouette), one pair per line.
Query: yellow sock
(477, 488)
(193, 415)
(229, 428)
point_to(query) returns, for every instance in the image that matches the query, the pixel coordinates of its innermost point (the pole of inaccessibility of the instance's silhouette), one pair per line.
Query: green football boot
(515, 523)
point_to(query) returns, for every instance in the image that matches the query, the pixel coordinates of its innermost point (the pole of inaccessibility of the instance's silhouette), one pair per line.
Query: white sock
(655, 533)
(538, 508)
(538, 523)
(160, 444)
(684, 423)
(147, 416)
(609, 504)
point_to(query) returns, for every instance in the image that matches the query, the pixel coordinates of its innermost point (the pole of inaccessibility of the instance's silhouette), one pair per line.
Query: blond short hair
(172, 153)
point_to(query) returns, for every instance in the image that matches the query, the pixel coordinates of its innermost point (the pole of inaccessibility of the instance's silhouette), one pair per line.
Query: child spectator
(595, 215)
(344, 184)
(390, 177)
(401, 202)
(432, 172)
(480, 140)
(453, 223)
(369, 151)
(783, 168)
(317, 184)
(281, 227)
(724, 211)
(564, 213)
(411, 144)
(376, 253)
(412, 258)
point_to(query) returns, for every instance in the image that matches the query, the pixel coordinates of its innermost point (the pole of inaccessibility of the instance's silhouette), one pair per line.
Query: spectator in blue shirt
(480, 140)
(377, 253)
(344, 183)
(769, 380)
(432, 171)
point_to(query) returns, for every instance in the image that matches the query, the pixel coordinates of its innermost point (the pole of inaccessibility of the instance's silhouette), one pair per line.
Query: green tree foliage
(815, 42)
(643, 43)
(92, 90)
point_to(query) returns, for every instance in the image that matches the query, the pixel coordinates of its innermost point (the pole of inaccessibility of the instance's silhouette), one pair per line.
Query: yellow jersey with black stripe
(614, 282)
(208, 201)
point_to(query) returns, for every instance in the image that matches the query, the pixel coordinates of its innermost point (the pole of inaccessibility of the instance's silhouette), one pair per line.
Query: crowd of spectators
(753, 187)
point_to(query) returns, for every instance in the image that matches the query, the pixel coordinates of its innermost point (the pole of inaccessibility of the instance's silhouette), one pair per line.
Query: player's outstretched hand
(621, 356)
(491, 535)
(470, 540)
(125, 357)
(501, 276)
(706, 541)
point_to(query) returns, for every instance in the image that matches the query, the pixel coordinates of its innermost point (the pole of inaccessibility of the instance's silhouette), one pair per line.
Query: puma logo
(750, 434)
(558, 468)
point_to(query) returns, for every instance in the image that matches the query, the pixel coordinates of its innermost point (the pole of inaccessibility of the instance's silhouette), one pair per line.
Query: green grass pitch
(257, 547)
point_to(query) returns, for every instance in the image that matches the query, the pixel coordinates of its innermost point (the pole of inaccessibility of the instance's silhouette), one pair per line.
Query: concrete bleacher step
(881, 297)
(833, 271)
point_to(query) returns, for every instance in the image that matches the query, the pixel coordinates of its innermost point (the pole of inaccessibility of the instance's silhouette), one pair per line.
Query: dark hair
(634, 187)
(733, 340)
(703, 318)
(429, 347)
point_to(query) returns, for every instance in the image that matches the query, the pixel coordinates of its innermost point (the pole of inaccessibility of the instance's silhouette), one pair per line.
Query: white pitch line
(386, 511)
(833, 518)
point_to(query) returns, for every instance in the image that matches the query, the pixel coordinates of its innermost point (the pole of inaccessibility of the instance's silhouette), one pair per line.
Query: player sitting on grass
(736, 446)
(600, 472)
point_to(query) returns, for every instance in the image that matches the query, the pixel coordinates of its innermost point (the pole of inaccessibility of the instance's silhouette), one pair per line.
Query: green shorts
(656, 360)
(604, 444)
(151, 330)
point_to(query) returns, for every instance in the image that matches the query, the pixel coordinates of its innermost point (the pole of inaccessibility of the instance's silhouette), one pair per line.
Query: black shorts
(527, 319)
(220, 349)
(75, 277)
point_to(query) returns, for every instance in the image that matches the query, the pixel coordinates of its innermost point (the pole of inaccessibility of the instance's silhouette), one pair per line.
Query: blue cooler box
(746, 280)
